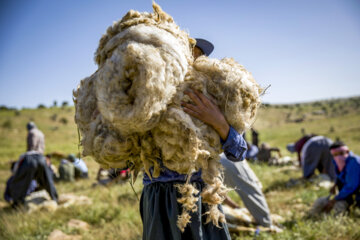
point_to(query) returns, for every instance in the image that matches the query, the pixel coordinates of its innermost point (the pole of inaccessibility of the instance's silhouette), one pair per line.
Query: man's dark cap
(30, 125)
(71, 157)
(337, 144)
(205, 46)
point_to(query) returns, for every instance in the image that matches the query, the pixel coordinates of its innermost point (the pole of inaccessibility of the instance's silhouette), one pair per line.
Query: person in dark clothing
(31, 166)
(255, 137)
(112, 175)
(265, 151)
(7, 196)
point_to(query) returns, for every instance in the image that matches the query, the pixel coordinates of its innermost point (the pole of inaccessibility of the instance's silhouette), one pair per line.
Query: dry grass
(114, 213)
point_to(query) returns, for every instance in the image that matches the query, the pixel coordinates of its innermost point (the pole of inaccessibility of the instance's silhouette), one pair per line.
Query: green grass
(114, 213)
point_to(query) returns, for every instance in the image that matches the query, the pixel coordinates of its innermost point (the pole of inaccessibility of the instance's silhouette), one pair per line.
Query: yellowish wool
(129, 111)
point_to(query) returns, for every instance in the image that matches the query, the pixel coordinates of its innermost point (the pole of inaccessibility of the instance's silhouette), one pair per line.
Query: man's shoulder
(354, 160)
(37, 132)
(353, 163)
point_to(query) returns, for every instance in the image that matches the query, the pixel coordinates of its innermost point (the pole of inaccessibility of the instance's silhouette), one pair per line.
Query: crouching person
(81, 170)
(31, 166)
(347, 167)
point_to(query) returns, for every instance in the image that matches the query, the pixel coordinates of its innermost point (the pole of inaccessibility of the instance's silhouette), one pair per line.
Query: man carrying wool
(158, 206)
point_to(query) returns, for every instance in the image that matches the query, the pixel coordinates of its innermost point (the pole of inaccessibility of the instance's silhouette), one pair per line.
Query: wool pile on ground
(129, 111)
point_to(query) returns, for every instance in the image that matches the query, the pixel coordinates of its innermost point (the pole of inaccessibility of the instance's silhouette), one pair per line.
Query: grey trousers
(239, 175)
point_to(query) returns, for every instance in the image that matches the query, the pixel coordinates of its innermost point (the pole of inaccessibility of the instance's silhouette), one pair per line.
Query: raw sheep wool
(129, 111)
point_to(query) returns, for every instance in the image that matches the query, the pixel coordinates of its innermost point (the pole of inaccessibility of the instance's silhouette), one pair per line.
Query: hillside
(114, 213)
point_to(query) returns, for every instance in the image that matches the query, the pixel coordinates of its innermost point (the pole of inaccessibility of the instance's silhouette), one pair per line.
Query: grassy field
(114, 213)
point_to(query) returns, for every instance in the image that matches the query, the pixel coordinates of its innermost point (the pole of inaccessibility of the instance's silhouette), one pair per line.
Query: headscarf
(340, 154)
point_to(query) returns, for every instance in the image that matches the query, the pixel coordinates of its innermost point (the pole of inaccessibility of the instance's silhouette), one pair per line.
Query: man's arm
(228, 201)
(351, 182)
(204, 109)
(275, 149)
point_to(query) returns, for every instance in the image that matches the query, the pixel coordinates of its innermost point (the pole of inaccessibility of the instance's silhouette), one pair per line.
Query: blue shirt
(349, 177)
(234, 148)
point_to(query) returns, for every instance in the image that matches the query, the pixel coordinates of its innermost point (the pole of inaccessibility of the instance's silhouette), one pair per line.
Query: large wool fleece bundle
(129, 111)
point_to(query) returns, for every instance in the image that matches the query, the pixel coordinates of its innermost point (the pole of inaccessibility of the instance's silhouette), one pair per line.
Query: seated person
(81, 170)
(112, 175)
(265, 151)
(30, 166)
(262, 154)
(252, 152)
(66, 171)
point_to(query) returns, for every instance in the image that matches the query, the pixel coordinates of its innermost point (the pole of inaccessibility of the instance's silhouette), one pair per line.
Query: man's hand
(205, 110)
(329, 206)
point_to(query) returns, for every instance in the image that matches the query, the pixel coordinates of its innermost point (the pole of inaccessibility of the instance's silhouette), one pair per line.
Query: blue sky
(305, 49)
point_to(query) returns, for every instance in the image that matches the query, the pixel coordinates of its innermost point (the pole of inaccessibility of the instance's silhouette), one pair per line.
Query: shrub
(65, 104)
(41, 106)
(63, 120)
(53, 117)
(7, 124)
(3, 107)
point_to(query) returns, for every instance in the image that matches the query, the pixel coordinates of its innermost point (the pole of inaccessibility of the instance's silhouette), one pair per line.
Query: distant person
(298, 145)
(7, 195)
(30, 166)
(252, 151)
(35, 138)
(112, 175)
(347, 167)
(314, 154)
(51, 166)
(262, 154)
(303, 131)
(81, 170)
(66, 171)
(239, 175)
(254, 137)
(265, 153)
